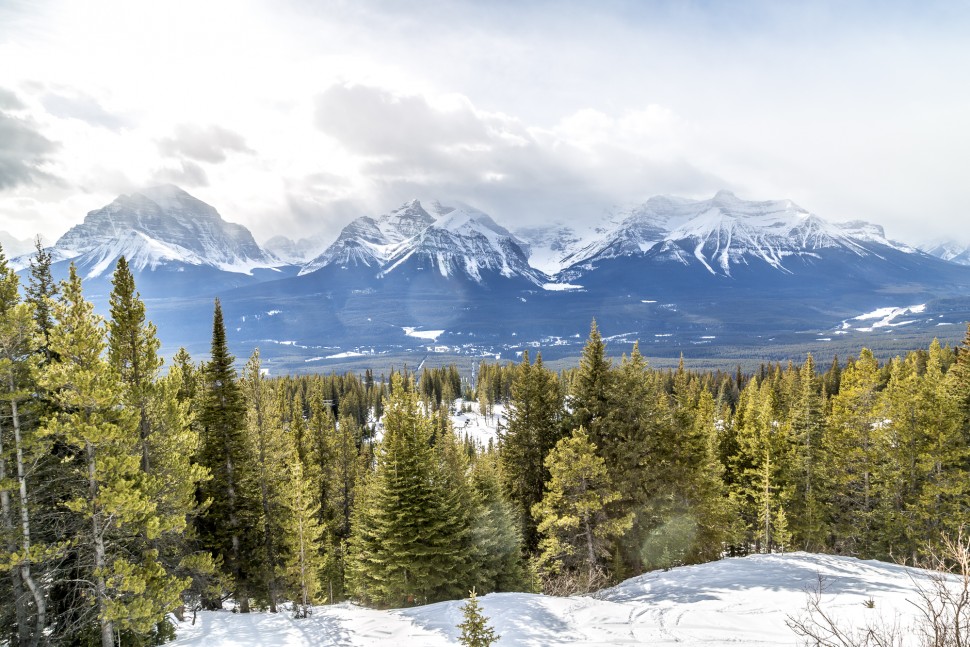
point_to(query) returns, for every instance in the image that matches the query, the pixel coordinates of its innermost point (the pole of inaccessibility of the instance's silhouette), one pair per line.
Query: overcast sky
(294, 116)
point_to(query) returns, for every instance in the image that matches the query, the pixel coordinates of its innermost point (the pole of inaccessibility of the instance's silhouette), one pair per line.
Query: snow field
(738, 601)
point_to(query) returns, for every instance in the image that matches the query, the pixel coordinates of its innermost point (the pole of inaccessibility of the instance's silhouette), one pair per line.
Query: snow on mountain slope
(298, 252)
(730, 602)
(157, 226)
(371, 242)
(453, 240)
(718, 234)
(948, 250)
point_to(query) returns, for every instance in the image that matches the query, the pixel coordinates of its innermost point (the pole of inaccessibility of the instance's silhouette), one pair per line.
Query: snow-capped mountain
(724, 232)
(948, 250)
(297, 252)
(156, 227)
(370, 242)
(452, 240)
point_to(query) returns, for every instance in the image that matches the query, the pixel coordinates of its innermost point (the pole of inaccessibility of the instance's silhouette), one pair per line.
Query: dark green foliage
(408, 543)
(232, 503)
(535, 425)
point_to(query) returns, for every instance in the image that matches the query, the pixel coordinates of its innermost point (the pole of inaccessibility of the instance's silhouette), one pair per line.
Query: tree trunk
(100, 554)
(40, 602)
(19, 601)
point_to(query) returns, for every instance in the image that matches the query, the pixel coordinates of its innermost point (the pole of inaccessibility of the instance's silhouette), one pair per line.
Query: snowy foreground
(730, 602)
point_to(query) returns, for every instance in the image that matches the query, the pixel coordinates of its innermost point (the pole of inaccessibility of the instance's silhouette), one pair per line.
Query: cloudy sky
(294, 116)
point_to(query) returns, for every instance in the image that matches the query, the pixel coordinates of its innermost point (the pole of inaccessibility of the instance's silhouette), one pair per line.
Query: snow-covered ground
(740, 601)
(482, 429)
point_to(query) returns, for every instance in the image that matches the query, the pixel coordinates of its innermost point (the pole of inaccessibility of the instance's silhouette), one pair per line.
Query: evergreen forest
(133, 490)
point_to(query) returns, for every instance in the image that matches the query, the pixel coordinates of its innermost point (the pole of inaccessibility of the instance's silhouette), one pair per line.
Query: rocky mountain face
(156, 227)
(454, 241)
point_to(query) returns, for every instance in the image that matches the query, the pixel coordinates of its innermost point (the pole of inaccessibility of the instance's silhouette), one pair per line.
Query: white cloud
(302, 115)
(203, 143)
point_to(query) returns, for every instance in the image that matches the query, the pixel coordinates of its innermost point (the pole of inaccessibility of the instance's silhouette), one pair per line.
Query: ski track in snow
(739, 601)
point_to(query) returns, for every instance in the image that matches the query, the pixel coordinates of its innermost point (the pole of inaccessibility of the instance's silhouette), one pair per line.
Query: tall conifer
(233, 508)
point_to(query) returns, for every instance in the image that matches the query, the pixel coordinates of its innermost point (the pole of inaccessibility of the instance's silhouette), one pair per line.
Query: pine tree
(807, 426)
(575, 516)
(232, 504)
(167, 440)
(133, 350)
(475, 631)
(20, 445)
(851, 456)
(302, 541)
(128, 593)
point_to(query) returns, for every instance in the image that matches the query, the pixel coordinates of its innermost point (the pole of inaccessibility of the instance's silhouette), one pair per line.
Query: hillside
(725, 603)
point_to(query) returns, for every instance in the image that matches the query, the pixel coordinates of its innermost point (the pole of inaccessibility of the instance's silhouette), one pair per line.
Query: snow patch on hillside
(560, 287)
(431, 335)
(885, 317)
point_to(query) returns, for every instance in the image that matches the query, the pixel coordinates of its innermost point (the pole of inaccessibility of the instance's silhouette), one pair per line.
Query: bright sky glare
(295, 116)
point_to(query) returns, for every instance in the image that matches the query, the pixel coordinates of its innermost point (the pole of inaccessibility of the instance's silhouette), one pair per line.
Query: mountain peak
(172, 226)
(725, 196)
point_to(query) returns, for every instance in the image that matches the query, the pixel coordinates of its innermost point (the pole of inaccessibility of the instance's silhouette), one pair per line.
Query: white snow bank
(721, 604)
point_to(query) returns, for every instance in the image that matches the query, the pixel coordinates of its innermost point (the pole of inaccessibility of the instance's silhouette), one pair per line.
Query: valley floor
(734, 601)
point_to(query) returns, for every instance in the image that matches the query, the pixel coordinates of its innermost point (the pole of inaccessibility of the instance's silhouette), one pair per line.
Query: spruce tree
(41, 291)
(475, 631)
(406, 544)
(232, 504)
(535, 425)
(496, 533)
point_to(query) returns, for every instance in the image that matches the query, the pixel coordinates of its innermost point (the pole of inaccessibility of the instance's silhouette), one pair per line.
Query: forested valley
(131, 489)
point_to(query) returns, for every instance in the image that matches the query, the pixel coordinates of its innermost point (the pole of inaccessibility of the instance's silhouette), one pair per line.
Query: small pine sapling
(475, 631)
